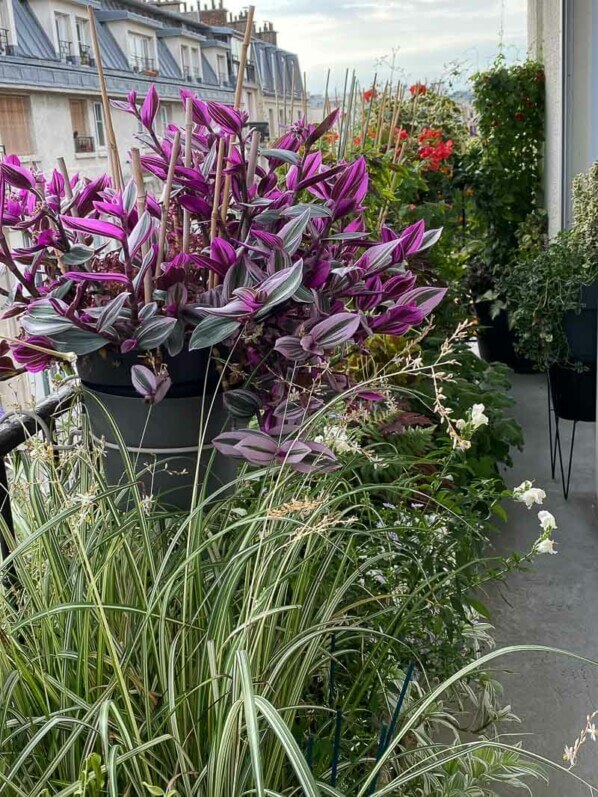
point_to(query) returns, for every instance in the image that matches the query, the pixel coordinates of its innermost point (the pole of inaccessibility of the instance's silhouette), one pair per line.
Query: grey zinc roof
(32, 40)
(168, 66)
(209, 76)
(112, 56)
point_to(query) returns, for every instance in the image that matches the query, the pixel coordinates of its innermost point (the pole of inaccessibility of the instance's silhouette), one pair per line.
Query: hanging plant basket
(160, 440)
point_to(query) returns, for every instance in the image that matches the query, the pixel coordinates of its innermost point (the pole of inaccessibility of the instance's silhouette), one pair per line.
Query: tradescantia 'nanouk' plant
(290, 278)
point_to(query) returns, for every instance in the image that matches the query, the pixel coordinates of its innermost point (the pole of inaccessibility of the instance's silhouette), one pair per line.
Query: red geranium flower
(418, 88)
(369, 95)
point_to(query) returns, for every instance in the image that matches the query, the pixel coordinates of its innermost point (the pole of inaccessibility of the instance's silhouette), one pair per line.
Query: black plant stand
(556, 448)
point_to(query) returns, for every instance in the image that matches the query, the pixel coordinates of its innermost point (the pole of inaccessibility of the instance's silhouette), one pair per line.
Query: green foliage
(585, 216)
(547, 278)
(504, 163)
(146, 652)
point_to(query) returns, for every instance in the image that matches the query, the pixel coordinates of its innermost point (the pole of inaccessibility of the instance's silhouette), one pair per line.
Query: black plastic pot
(162, 440)
(496, 339)
(580, 328)
(573, 392)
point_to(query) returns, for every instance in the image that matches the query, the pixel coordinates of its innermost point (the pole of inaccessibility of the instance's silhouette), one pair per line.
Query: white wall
(563, 34)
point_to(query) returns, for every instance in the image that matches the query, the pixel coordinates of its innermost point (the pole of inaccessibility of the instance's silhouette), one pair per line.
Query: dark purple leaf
(226, 117)
(17, 176)
(94, 227)
(152, 387)
(150, 106)
(335, 330)
(96, 276)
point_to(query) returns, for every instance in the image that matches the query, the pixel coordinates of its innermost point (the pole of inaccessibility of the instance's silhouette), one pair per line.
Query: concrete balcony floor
(554, 603)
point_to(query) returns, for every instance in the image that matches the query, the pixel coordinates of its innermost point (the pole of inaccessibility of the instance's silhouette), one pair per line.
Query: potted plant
(234, 297)
(503, 166)
(553, 300)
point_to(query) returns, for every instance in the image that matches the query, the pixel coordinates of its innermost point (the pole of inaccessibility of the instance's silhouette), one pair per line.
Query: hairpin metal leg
(565, 481)
(552, 442)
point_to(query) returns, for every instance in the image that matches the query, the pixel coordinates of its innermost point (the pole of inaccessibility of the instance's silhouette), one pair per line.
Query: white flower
(337, 438)
(545, 545)
(569, 755)
(528, 495)
(477, 416)
(547, 520)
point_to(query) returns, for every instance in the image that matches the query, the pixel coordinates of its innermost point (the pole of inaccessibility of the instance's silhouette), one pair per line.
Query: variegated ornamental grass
(210, 654)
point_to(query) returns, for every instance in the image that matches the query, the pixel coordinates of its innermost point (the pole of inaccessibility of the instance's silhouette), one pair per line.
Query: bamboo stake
(148, 285)
(112, 146)
(347, 126)
(395, 116)
(326, 94)
(68, 191)
(188, 143)
(293, 95)
(165, 201)
(381, 111)
(304, 98)
(215, 204)
(253, 155)
(284, 94)
(277, 109)
(342, 126)
(238, 96)
(369, 113)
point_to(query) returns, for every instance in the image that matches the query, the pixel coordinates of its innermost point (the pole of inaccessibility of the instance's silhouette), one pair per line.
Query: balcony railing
(5, 47)
(85, 55)
(65, 50)
(141, 63)
(250, 73)
(192, 75)
(84, 144)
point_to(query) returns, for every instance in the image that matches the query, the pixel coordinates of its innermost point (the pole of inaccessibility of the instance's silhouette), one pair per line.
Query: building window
(15, 125)
(63, 36)
(83, 45)
(98, 115)
(185, 64)
(195, 63)
(82, 141)
(164, 114)
(141, 56)
(6, 38)
(222, 73)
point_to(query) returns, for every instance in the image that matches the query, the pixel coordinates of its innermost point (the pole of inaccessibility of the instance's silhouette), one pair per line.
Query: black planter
(573, 393)
(580, 328)
(496, 339)
(161, 441)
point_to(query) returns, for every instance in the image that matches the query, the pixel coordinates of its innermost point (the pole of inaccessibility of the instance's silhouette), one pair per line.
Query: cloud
(429, 34)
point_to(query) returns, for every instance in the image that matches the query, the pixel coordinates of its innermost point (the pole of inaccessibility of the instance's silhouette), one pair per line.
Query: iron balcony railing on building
(6, 48)
(141, 63)
(250, 73)
(85, 55)
(84, 143)
(15, 428)
(65, 50)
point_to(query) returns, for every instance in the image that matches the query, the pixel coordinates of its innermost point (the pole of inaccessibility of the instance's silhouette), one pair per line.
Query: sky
(426, 35)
